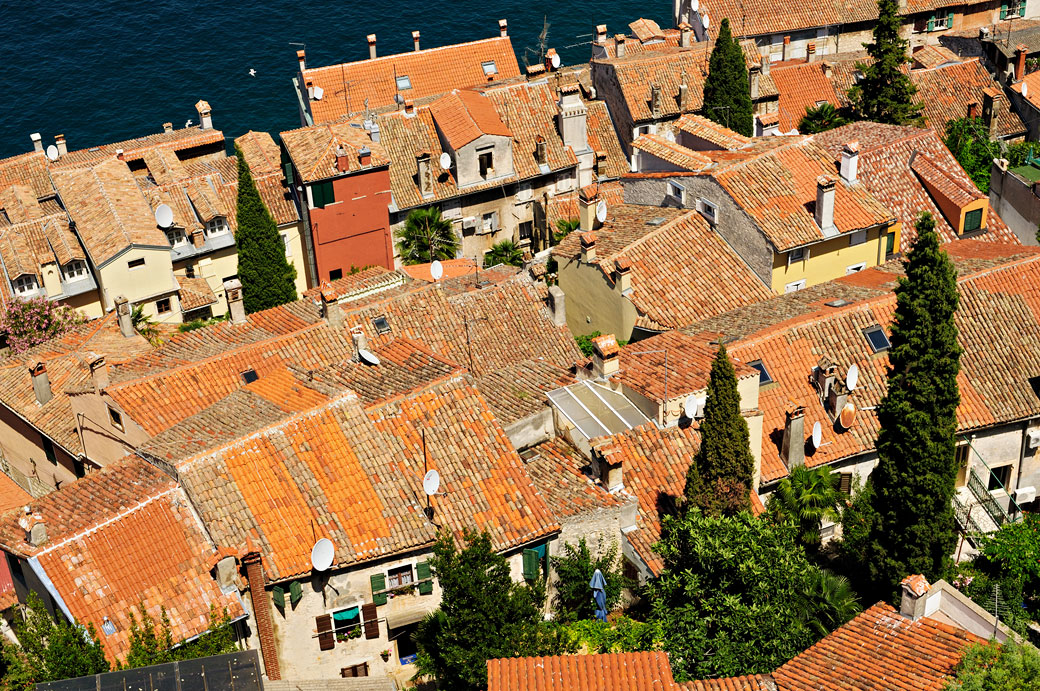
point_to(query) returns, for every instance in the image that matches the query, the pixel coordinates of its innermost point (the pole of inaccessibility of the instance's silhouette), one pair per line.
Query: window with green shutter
(931, 23)
(1004, 11)
(295, 592)
(972, 220)
(425, 577)
(378, 582)
(890, 244)
(278, 595)
(531, 564)
(323, 194)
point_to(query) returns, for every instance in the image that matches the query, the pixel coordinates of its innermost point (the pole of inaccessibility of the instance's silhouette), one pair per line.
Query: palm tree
(505, 252)
(563, 227)
(144, 325)
(805, 498)
(426, 237)
(820, 119)
(829, 602)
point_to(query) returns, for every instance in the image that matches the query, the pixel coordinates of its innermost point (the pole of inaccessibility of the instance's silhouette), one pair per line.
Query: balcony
(978, 510)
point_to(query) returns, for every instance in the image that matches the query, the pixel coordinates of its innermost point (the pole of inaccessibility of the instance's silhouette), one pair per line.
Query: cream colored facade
(594, 303)
(830, 259)
(145, 276)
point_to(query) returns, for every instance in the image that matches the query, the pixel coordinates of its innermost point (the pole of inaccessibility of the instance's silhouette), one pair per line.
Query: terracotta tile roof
(556, 468)
(671, 152)
(599, 129)
(367, 282)
(463, 116)
(431, 71)
(313, 149)
(1031, 82)
(670, 38)
(646, 30)
(135, 149)
(529, 111)
(27, 246)
(644, 671)
(886, 157)
(260, 151)
(564, 207)
(703, 128)
(776, 16)
(757, 682)
(12, 496)
(19, 204)
(29, 169)
(195, 293)
(452, 268)
(802, 86)
(264, 160)
(635, 74)
(626, 224)
(880, 649)
(955, 188)
(928, 57)
(946, 91)
(518, 390)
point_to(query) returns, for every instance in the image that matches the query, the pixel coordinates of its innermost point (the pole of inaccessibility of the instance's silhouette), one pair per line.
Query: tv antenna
(164, 216)
(368, 357)
(601, 211)
(542, 40)
(52, 152)
(852, 377)
(817, 434)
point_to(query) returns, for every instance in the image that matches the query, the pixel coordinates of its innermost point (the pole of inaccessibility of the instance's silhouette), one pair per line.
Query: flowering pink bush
(30, 322)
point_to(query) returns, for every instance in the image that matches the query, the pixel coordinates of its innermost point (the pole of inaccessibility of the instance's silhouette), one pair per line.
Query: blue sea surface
(100, 71)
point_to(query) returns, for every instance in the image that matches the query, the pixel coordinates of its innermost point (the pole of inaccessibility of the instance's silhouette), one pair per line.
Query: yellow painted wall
(830, 259)
(87, 304)
(295, 254)
(143, 285)
(977, 204)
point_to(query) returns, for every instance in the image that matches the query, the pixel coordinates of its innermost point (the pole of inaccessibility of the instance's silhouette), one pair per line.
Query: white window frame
(708, 210)
(488, 172)
(168, 301)
(794, 286)
(487, 222)
(24, 284)
(286, 242)
(855, 268)
(677, 192)
(179, 237)
(857, 238)
(77, 268)
(803, 254)
(217, 226)
(489, 67)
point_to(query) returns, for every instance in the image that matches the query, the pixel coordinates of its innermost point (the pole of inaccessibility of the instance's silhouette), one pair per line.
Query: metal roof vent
(108, 627)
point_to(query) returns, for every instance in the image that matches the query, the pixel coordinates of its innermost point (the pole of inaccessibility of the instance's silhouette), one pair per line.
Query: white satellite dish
(555, 59)
(431, 482)
(164, 216)
(318, 93)
(852, 378)
(695, 5)
(52, 152)
(436, 270)
(690, 406)
(1025, 91)
(817, 434)
(705, 21)
(322, 553)
(445, 161)
(601, 211)
(368, 357)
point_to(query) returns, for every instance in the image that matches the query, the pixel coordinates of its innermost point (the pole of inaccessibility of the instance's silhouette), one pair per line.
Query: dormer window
(489, 68)
(176, 237)
(218, 226)
(972, 220)
(763, 374)
(75, 269)
(708, 210)
(403, 82)
(25, 284)
(486, 161)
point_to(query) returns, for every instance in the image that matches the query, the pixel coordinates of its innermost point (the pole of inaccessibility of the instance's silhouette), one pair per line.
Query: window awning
(346, 614)
(395, 620)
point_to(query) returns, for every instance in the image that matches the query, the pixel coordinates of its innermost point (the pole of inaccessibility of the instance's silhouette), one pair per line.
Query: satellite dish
(436, 268)
(847, 416)
(318, 93)
(445, 161)
(164, 216)
(690, 406)
(601, 211)
(431, 482)
(555, 59)
(852, 378)
(322, 553)
(1025, 93)
(52, 152)
(695, 5)
(705, 21)
(368, 357)
(817, 434)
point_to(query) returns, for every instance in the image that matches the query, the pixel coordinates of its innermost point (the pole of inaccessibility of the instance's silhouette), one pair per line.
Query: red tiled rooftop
(643, 671)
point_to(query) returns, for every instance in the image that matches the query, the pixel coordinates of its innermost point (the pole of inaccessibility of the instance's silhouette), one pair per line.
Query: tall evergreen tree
(886, 94)
(720, 477)
(727, 91)
(267, 276)
(914, 482)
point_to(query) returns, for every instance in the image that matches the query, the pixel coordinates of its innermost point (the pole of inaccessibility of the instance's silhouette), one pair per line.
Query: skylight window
(878, 338)
(763, 374)
(249, 376)
(381, 324)
(403, 83)
(489, 67)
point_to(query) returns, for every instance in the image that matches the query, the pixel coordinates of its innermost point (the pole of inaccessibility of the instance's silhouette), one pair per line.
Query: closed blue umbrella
(599, 595)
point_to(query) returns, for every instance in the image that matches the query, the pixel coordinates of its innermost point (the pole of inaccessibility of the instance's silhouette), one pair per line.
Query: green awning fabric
(540, 549)
(346, 614)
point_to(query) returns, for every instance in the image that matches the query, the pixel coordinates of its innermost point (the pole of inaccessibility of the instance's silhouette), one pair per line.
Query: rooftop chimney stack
(357, 335)
(558, 305)
(330, 309)
(605, 360)
(849, 161)
(786, 49)
(540, 149)
(409, 107)
(371, 46)
(167, 127)
(915, 590)
(415, 40)
(1021, 50)
(684, 96)
(828, 68)
(992, 104)
(59, 141)
(342, 164)
(572, 119)
(766, 60)
(503, 28)
(549, 59)
(655, 100)
(825, 185)
(364, 156)
(588, 247)
(99, 374)
(205, 115)
(623, 275)
(973, 109)
(685, 35)
(425, 172)
(754, 75)
(588, 199)
(120, 155)
(37, 140)
(198, 238)
(601, 34)
(792, 450)
(236, 306)
(301, 57)
(123, 316)
(41, 383)
(619, 43)
(811, 52)
(37, 534)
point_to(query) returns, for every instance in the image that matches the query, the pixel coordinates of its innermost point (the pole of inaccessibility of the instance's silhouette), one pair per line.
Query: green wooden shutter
(378, 582)
(890, 243)
(278, 595)
(530, 564)
(972, 220)
(931, 23)
(1003, 11)
(949, 19)
(295, 592)
(422, 573)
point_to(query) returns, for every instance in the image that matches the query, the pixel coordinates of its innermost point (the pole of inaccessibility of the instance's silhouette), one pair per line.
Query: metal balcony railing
(987, 500)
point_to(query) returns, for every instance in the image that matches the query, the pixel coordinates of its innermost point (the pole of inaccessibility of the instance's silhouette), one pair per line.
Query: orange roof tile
(671, 152)
(644, 671)
(364, 283)
(704, 129)
(557, 469)
(12, 495)
(452, 268)
(313, 150)
(802, 86)
(946, 91)
(777, 16)
(463, 116)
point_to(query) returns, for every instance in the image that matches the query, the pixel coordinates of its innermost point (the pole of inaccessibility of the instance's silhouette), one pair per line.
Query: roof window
(249, 376)
(878, 338)
(108, 627)
(763, 374)
(403, 82)
(489, 67)
(381, 324)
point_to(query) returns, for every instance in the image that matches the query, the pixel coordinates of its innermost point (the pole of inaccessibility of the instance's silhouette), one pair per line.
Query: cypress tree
(719, 479)
(267, 276)
(886, 94)
(914, 482)
(727, 91)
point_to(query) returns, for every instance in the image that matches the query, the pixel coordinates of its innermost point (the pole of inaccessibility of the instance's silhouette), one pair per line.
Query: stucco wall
(467, 162)
(1016, 202)
(102, 442)
(21, 447)
(354, 230)
(593, 301)
(829, 259)
(142, 285)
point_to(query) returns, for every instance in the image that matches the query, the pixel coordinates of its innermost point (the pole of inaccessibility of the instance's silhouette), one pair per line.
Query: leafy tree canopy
(804, 499)
(426, 237)
(505, 252)
(998, 667)
(820, 119)
(574, 568)
(727, 90)
(151, 641)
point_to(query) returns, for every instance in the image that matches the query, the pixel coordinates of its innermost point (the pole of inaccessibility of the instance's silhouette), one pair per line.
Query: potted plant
(385, 655)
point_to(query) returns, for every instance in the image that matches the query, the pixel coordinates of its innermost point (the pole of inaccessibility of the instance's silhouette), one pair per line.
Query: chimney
(37, 141)
(792, 450)
(371, 46)
(685, 35)
(811, 52)
(992, 105)
(59, 141)
(610, 473)
(198, 238)
(409, 107)
(684, 96)
(99, 374)
(823, 377)
(41, 383)
(37, 533)
(572, 118)
(535, 71)
(330, 309)
(167, 127)
(849, 161)
(237, 308)
(1021, 50)
(619, 44)
(373, 131)
(540, 149)
(623, 275)
(425, 173)
(766, 60)
(262, 614)
(357, 335)
(558, 305)
(549, 54)
(301, 57)
(825, 202)
(588, 247)
(655, 100)
(828, 68)
(601, 34)
(342, 164)
(503, 28)
(123, 316)
(754, 75)
(605, 360)
(973, 109)
(364, 156)
(415, 40)
(588, 198)
(837, 397)
(205, 115)
(915, 590)
(786, 49)
(120, 155)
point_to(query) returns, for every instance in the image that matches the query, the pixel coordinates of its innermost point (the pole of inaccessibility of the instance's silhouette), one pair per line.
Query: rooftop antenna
(52, 152)
(852, 377)
(431, 480)
(322, 554)
(164, 216)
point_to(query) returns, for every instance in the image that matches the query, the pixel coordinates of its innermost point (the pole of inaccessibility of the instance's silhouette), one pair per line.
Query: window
(77, 268)
(642, 129)
(288, 247)
(335, 274)
(381, 324)
(763, 373)
(677, 192)
(488, 222)
(999, 478)
(486, 161)
(48, 451)
(347, 623)
(526, 230)
(1012, 8)
(323, 194)
(940, 21)
(489, 67)
(162, 306)
(972, 220)
(708, 210)
(249, 376)
(890, 244)
(135, 263)
(399, 577)
(845, 483)
(218, 226)
(115, 418)
(963, 453)
(855, 268)
(794, 286)
(877, 338)
(796, 255)
(857, 238)
(403, 83)
(25, 284)
(534, 562)
(176, 237)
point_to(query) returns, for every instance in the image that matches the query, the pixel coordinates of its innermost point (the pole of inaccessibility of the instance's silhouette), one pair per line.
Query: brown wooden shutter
(846, 482)
(369, 615)
(326, 638)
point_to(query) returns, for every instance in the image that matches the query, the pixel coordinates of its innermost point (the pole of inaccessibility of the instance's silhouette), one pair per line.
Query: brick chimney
(424, 170)
(342, 164)
(655, 100)
(825, 185)
(685, 35)
(623, 275)
(601, 34)
(973, 109)
(167, 127)
(912, 602)
(588, 247)
(205, 115)
(1021, 50)
(59, 141)
(549, 54)
(120, 155)
(540, 149)
(301, 57)
(37, 140)
(810, 51)
(415, 40)
(371, 46)
(99, 374)
(198, 238)
(588, 198)
(828, 68)
(123, 316)
(409, 107)
(262, 614)
(849, 161)
(41, 383)
(330, 309)
(786, 48)
(792, 449)
(605, 360)
(236, 306)
(992, 107)
(619, 44)
(503, 28)
(558, 305)
(364, 156)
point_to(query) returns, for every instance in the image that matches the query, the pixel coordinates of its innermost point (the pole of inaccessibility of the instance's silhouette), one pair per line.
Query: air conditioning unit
(1033, 438)
(1024, 495)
